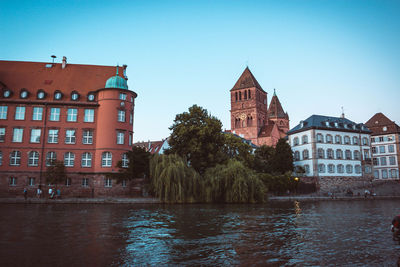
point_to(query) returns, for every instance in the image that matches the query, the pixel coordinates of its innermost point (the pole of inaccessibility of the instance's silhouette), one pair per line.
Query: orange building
(250, 116)
(80, 114)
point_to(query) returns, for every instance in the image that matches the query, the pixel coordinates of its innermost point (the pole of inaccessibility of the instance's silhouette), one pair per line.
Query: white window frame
(12, 181)
(121, 115)
(86, 160)
(35, 135)
(2, 134)
(122, 96)
(52, 137)
(18, 134)
(37, 113)
(31, 181)
(69, 159)
(15, 158)
(50, 157)
(89, 115)
(72, 115)
(33, 158)
(125, 160)
(54, 114)
(120, 138)
(106, 159)
(70, 136)
(85, 182)
(3, 112)
(87, 137)
(19, 113)
(107, 182)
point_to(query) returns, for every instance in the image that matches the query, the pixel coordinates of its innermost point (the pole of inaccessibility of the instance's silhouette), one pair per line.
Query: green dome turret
(116, 82)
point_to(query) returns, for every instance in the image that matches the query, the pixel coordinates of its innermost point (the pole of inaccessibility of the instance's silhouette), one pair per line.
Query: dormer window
(41, 94)
(74, 96)
(91, 97)
(7, 93)
(384, 128)
(58, 95)
(23, 94)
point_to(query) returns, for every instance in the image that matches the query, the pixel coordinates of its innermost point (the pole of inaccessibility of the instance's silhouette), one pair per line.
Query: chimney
(124, 67)
(64, 62)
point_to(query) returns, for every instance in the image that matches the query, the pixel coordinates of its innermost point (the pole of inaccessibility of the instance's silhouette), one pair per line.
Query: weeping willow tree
(172, 181)
(232, 183)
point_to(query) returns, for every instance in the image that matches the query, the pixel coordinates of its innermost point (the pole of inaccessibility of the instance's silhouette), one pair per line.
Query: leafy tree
(282, 161)
(197, 137)
(235, 148)
(263, 157)
(56, 172)
(279, 184)
(138, 166)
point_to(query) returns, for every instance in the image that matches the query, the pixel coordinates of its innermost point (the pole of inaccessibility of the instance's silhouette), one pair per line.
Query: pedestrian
(50, 192)
(39, 192)
(58, 193)
(25, 193)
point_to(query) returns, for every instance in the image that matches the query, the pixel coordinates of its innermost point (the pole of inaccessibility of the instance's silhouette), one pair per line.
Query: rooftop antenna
(342, 113)
(53, 56)
(274, 92)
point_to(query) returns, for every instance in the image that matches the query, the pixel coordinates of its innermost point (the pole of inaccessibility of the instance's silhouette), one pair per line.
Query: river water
(326, 233)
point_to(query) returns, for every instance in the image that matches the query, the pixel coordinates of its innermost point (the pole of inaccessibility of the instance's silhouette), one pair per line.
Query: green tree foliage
(197, 137)
(283, 158)
(172, 181)
(56, 172)
(232, 183)
(235, 148)
(263, 157)
(279, 184)
(138, 166)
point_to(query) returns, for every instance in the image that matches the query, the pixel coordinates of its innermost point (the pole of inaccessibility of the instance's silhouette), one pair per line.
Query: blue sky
(319, 55)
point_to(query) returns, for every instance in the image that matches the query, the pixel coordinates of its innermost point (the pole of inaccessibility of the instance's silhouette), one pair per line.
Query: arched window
(125, 160)
(357, 154)
(340, 168)
(249, 94)
(329, 138)
(296, 141)
(69, 159)
(349, 168)
(320, 138)
(245, 94)
(321, 168)
(243, 125)
(331, 168)
(236, 96)
(296, 155)
(106, 159)
(249, 121)
(305, 154)
(365, 141)
(15, 158)
(86, 159)
(338, 139)
(358, 169)
(355, 140)
(240, 95)
(33, 158)
(339, 154)
(329, 153)
(50, 158)
(347, 140)
(348, 154)
(304, 139)
(321, 153)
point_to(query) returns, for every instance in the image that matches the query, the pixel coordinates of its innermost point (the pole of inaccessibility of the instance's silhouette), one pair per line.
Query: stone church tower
(250, 116)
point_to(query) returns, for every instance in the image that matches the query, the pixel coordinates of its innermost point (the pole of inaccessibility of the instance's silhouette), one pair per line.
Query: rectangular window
(122, 96)
(374, 150)
(17, 135)
(37, 114)
(375, 161)
(3, 112)
(20, 113)
(384, 174)
(391, 148)
(89, 115)
(366, 153)
(35, 135)
(54, 114)
(86, 160)
(70, 137)
(87, 137)
(69, 159)
(53, 137)
(31, 181)
(393, 173)
(130, 139)
(108, 182)
(85, 182)
(123, 183)
(2, 134)
(121, 115)
(120, 138)
(13, 181)
(382, 149)
(376, 174)
(72, 114)
(68, 182)
(383, 161)
(131, 118)
(392, 161)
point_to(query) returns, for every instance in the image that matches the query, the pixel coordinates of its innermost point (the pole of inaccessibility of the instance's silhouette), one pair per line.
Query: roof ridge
(247, 80)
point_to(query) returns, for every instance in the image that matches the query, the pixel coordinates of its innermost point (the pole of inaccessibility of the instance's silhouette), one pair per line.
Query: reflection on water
(279, 234)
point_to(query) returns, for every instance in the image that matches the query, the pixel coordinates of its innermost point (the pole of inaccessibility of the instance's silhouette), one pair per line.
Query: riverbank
(148, 200)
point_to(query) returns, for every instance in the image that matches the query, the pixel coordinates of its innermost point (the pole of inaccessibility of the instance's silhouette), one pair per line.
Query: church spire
(275, 109)
(246, 80)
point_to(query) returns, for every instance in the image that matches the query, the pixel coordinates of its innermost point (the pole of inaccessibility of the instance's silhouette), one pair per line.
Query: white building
(331, 147)
(385, 147)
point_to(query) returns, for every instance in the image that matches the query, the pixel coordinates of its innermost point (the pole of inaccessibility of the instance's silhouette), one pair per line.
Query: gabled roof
(246, 80)
(39, 75)
(329, 123)
(275, 109)
(377, 123)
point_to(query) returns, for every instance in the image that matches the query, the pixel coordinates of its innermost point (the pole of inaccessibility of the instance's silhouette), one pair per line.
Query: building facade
(80, 114)
(332, 150)
(385, 147)
(250, 116)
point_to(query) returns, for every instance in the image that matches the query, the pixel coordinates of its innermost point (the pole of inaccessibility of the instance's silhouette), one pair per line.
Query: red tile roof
(35, 75)
(246, 80)
(378, 121)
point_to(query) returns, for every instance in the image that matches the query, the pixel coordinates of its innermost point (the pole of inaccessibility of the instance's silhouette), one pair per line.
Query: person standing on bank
(25, 193)
(50, 192)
